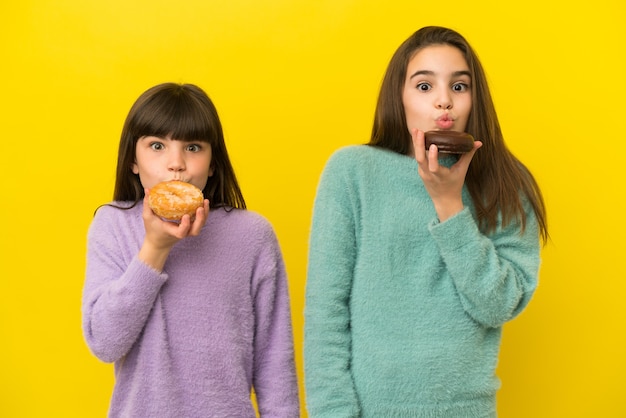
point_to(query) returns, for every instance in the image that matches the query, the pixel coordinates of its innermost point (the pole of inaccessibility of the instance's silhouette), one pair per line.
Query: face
(162, 159)
(437, 90)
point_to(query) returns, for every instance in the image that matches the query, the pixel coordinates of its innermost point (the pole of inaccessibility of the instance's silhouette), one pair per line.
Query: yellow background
(293, 81)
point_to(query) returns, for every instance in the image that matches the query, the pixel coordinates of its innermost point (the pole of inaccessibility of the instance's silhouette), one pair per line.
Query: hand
(162, 235)
(444, 185)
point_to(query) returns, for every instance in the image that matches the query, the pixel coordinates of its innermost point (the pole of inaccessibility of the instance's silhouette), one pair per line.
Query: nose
(444, 101)
(176, 162)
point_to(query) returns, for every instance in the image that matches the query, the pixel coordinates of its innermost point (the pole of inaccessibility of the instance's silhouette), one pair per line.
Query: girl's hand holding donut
(443, 184)
(165, 231)
(162, 234)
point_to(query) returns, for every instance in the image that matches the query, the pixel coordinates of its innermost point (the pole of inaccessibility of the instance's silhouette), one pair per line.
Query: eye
(423, 87)
(460, 87)
(157, 146)
(193, 147)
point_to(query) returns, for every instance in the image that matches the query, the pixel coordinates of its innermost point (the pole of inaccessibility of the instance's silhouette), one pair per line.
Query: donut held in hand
(450, 142)
(173, 199)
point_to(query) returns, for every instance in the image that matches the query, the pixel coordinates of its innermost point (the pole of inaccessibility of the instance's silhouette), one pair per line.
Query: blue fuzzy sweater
(403, 312)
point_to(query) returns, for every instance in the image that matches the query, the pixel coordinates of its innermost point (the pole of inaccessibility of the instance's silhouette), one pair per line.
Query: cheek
(467, 105)
(407, 102)
(415, 113)
(413, 104)
(464, 117)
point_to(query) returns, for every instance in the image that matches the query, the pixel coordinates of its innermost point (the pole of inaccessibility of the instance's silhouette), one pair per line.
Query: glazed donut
(172, 199)
(450, 142)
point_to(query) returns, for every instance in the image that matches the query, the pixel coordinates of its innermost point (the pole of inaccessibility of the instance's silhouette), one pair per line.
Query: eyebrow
(431, 73)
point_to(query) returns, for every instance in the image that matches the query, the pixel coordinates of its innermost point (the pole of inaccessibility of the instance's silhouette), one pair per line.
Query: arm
(119, 291)
(123, 282)
(495, 276)
(275, 380)
(327, 349)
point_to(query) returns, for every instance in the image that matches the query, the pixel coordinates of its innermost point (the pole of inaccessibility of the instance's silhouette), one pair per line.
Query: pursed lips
(444, 121)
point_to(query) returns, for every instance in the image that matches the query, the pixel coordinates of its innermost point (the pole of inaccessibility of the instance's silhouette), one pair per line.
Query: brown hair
(185, 113)
(495, 176)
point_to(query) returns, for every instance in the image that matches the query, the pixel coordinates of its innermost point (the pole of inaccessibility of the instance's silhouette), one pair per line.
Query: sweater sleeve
(118, 295)
(496, 275)
(275, 380)
(332, 252)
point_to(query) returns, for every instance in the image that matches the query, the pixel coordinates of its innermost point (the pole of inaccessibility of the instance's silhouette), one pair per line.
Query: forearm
(153, 256)
(494, 276)
(115, 310)
(447, 208)
(330, 390)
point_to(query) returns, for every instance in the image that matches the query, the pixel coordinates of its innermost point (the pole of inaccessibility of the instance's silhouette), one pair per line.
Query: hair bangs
(181, 117)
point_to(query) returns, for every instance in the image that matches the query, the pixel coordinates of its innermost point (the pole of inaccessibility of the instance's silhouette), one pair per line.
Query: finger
(181, 229)
(477, 145)
(467, 157)
(419, 149)
(433, 158)
(200, 219)
(202, 214)
(147, 211)
(205, 206)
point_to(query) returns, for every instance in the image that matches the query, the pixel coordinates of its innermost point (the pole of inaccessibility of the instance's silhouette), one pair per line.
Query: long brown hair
(185, 113)
(495, 176)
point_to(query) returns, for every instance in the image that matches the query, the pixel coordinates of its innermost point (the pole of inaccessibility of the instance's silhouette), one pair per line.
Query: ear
(135, 168)
(211, 170)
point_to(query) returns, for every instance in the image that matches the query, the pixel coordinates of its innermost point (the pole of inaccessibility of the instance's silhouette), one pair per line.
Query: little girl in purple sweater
(194, 314)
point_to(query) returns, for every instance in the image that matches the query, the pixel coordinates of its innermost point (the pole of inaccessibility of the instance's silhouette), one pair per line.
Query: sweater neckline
(446, 160)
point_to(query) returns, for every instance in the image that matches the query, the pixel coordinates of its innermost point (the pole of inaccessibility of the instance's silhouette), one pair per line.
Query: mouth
(444, 122)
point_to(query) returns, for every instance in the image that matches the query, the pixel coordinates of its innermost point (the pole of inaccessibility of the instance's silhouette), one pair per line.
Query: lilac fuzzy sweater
(193, 340)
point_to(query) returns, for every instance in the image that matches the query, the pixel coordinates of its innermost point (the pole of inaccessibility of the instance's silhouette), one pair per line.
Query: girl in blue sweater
(417, 258)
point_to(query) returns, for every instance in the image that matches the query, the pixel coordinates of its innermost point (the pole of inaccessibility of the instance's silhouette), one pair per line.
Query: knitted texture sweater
(403, 313)
(193, 340)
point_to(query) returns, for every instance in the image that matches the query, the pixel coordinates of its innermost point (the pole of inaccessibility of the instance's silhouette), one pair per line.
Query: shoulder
(114, 224)
(353, 154)
(364, 165)
(241, 216)
(243, 222)
(345, 163)
(116, 213)
(361, 158)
